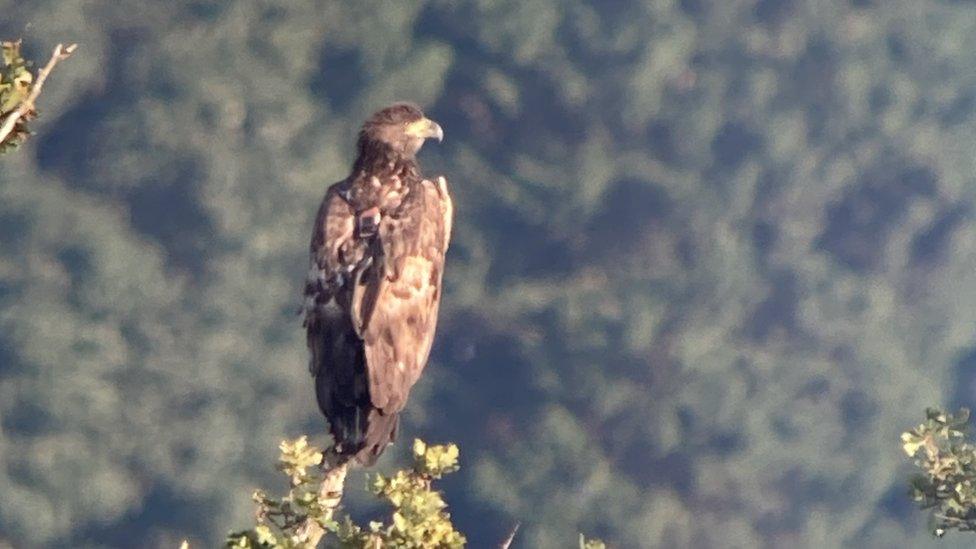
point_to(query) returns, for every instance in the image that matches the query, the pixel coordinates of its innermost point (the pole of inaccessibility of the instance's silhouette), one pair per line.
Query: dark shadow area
(964, 393)
(162, 510)
(859, 224)
(734, 144)
(493, 406)
(73, 144)
(474, 117)
(68, 147)
(774, 12)
(815, 389)
(802, 493)
(675, 470)
(960, 110)
(764, 237)
(696, 9)
(662, 142)
(543, 122)
(28, 418)
(879, 99)
(15, 227)
(857, 410)
(171, 213)
(810, 86)
(897, 503)
(778, 311)
(164, 205)
(631, 210)
(590, 49)
(524, 248)
(897, 47)
(10, 363)
(496, 378)
(205, 10)
(930, 247)
(77, 263)
(339, 78)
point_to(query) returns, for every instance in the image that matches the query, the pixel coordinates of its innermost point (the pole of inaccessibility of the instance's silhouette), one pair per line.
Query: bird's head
(401, 127)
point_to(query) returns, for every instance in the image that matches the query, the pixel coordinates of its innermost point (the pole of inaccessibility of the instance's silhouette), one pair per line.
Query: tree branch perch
(330, 495)
(27, 105)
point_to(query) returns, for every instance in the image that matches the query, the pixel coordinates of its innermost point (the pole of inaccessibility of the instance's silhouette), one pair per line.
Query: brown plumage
(371, 299)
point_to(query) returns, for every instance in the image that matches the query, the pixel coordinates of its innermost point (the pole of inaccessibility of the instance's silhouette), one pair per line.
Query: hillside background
(711, 257)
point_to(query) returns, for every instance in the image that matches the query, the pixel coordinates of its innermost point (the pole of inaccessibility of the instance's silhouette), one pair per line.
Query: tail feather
(381, 431)
(360, 431)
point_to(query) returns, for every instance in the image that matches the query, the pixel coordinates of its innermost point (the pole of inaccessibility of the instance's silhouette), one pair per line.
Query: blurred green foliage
(709, 257)
(947, 481)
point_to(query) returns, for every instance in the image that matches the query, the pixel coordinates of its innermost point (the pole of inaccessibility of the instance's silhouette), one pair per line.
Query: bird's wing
(400, 292)
(334, 255)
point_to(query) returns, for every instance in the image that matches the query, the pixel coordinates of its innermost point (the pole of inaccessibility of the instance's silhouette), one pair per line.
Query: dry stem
(511, 537)
(27, 105)
(330, 494)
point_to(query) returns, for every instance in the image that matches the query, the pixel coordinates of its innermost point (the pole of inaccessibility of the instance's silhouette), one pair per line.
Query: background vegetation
(711, 257)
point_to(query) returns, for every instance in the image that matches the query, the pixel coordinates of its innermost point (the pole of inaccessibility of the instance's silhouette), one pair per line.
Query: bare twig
(27, 105)
(511, 537)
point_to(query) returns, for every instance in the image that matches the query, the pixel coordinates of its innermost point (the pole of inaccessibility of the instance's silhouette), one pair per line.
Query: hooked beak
(426, 129)
(435, 131)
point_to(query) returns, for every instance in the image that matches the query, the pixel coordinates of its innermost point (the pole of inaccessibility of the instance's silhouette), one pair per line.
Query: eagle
(374, 283)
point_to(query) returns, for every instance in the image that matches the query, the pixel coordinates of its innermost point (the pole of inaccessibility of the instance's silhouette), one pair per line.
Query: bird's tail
(381, 431)
(364, 441)
(360, 431)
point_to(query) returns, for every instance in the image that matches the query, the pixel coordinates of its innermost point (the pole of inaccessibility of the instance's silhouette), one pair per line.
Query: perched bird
(373, 289)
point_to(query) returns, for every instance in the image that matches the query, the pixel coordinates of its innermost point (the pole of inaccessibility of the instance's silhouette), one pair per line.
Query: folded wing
(402, 291)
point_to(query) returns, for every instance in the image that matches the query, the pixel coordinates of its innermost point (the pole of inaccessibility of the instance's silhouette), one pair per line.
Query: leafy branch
(19, 90)
(947, 481)
(585, 543)
(301, 518)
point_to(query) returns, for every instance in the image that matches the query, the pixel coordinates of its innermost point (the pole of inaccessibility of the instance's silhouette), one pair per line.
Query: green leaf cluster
(419, 516)
(280, 521)
(947, 481)
(15, 86)
(434, 461)
(296, 458)
(585, 543)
